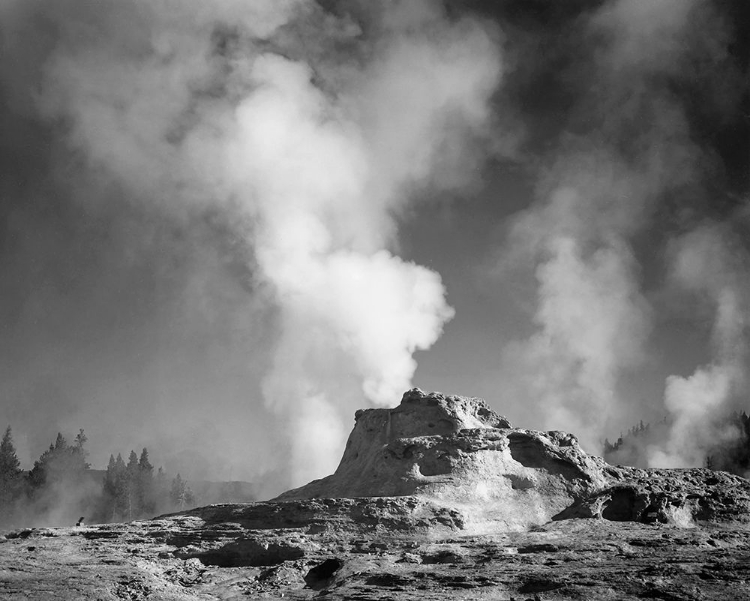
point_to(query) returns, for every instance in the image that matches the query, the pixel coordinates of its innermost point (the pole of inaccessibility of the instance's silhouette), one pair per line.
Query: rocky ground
(438, 498)
(347, 552)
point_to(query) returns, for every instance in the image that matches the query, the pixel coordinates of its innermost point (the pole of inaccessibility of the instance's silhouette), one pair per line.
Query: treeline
(62, 487)
(131, 491)
(631, 448)
(728, 453)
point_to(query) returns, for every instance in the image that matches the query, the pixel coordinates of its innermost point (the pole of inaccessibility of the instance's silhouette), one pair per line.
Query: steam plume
(710, 264)
(309, 130)
(626, 149)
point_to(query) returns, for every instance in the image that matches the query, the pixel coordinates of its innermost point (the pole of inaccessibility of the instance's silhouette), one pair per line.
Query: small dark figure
(80, 521)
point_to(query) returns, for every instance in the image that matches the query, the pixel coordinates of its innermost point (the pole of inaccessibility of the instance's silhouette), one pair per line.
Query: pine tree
(146, 500)
(120, 478)
(10, 467)
(60, 442)
(10, 474)
(60, 463)
(56, 482)
(129, 490)
(132, 486)
(108, 502)
(78, 447)
(38, 475)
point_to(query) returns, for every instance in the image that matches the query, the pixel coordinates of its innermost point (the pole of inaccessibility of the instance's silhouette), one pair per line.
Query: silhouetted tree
(108, 499)
(113, 502)
(131, 498)
(80, 441)
(10, 467)
(121, 488)
(146, 499)
(11, 481)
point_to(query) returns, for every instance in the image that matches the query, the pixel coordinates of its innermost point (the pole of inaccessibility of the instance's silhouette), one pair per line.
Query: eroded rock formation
(456, 451)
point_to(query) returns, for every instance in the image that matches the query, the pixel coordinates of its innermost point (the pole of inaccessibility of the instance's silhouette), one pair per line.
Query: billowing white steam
(324, 172)
(591, 316)
(705, 265)
(600, 190)
(320, 133)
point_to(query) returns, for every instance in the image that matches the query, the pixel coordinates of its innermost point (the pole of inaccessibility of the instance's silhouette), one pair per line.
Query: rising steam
(324, 174)
(710, 263)
(628, 149)
(315, 129)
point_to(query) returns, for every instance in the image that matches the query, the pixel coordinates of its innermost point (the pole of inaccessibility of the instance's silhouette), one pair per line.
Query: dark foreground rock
(439, 498)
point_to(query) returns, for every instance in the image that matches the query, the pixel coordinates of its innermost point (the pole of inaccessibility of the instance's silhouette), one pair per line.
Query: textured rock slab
(683, 497)
(172, 558)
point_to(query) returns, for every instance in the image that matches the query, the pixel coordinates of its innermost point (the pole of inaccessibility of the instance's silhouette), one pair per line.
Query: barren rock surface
(439, 498)
(370, 550)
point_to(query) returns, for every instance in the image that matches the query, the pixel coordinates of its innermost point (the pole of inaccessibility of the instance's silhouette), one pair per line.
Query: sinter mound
(457, 452)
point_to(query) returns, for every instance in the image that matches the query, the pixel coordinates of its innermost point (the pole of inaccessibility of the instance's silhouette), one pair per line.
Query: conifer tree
(60, 463)
(109, 476)
(121, 488)
(57, 478)
(10, 474)
(10, 467)
(108, 501)
(132, 473)
(60, 442)
(78, 447)
(146, 500)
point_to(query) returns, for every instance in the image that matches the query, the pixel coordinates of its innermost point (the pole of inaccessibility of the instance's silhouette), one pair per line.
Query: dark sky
(226, 227)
